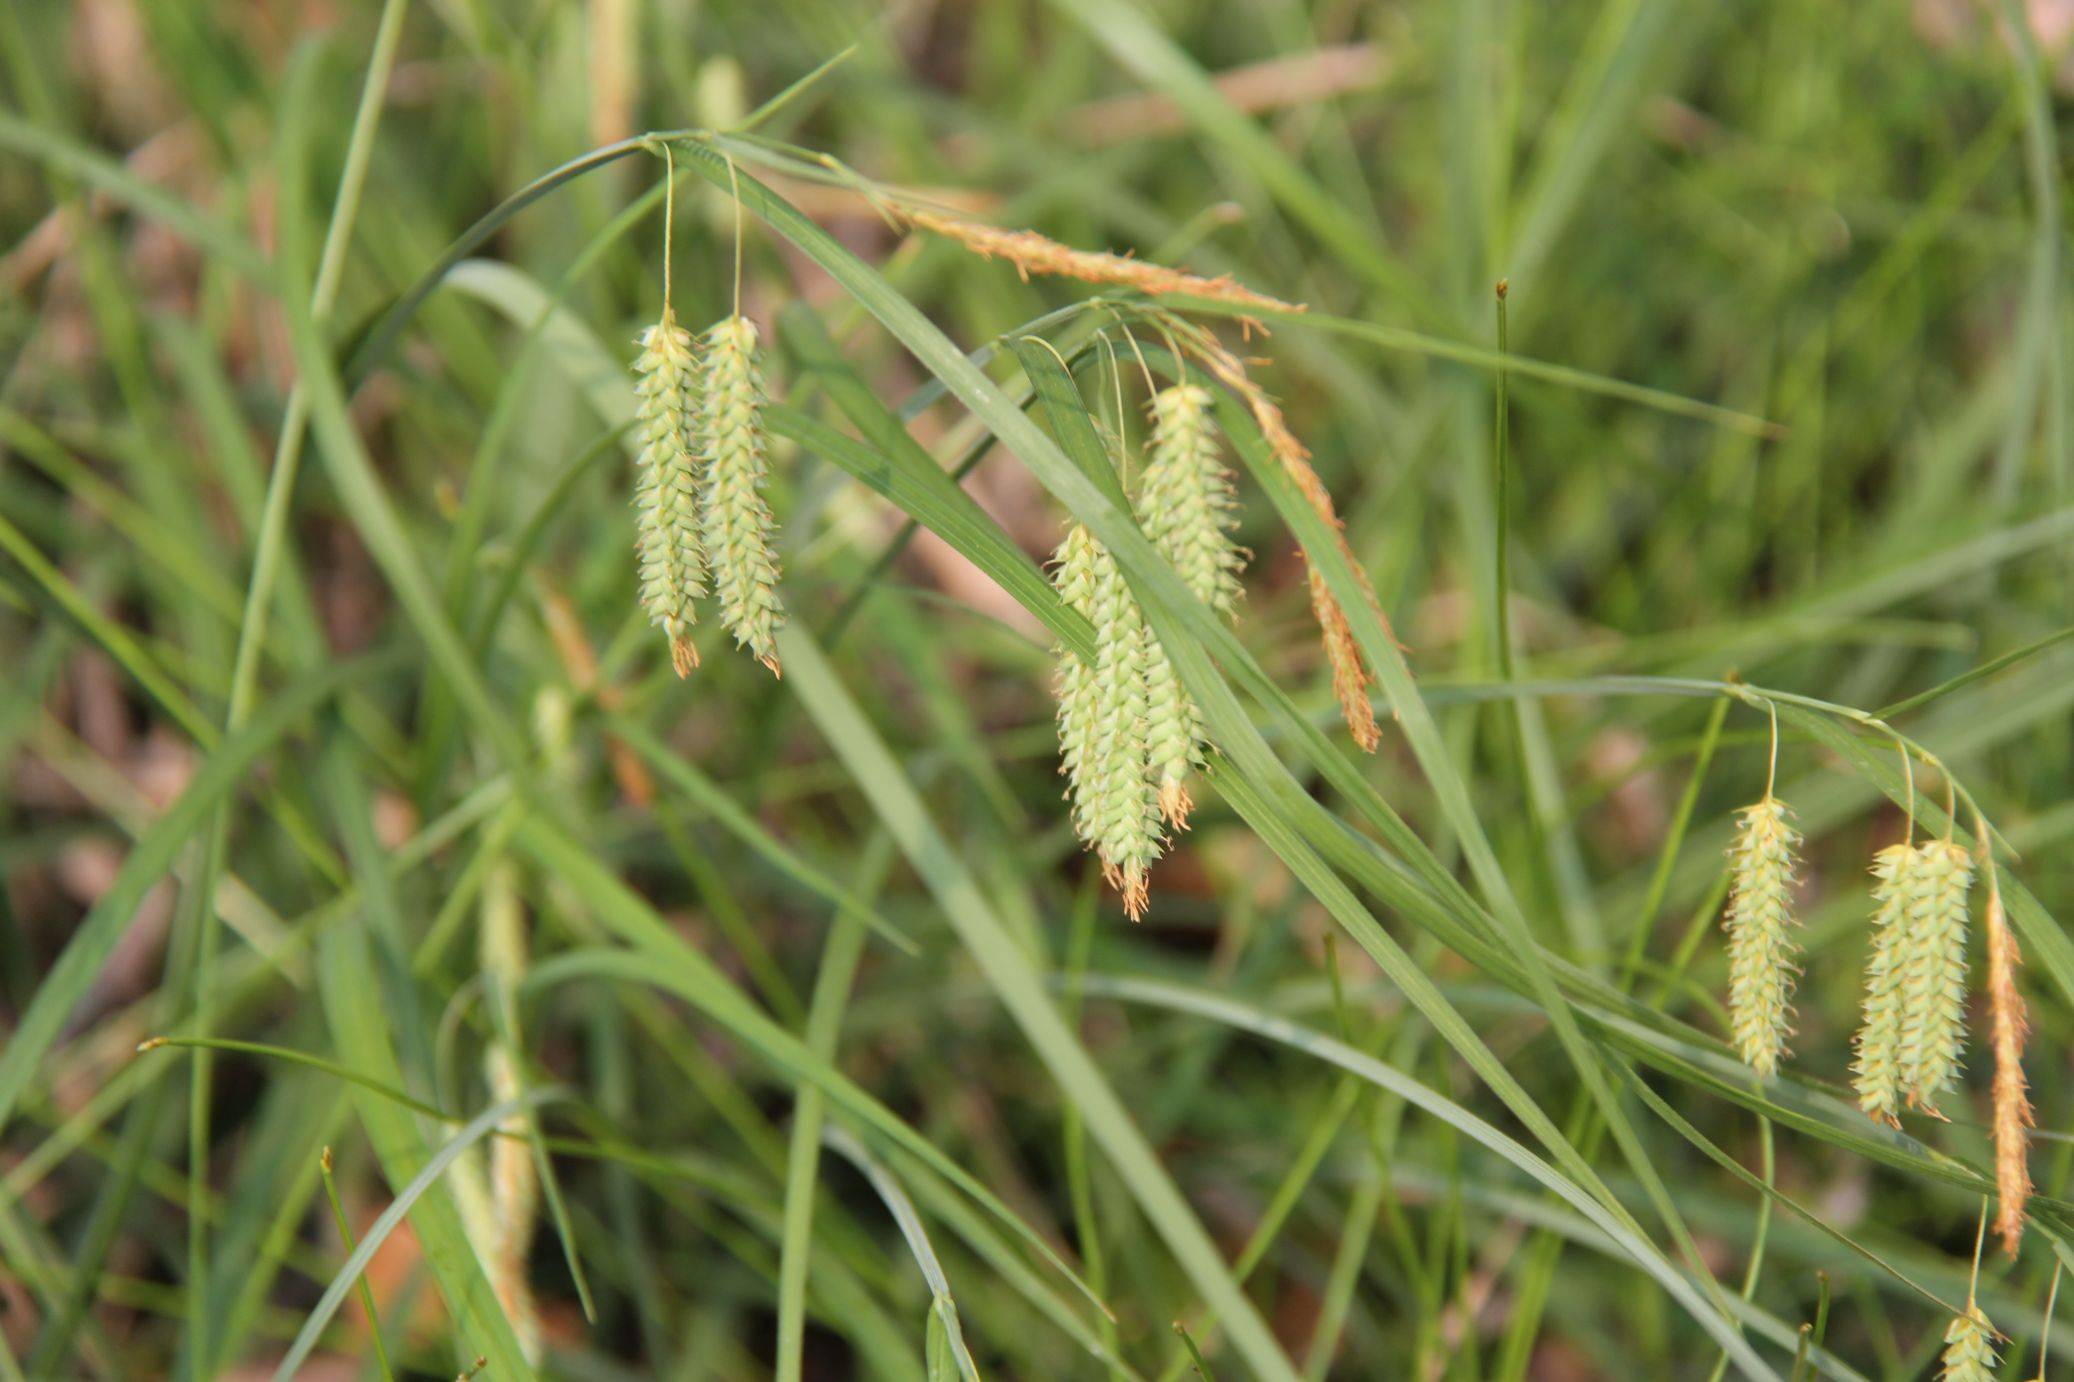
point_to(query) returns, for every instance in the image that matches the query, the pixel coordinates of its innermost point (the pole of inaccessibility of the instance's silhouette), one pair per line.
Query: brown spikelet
(2013, 1115)
(1351, 675)
(1032, 253)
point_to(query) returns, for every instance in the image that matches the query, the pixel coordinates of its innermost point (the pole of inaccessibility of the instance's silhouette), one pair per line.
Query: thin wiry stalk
(737, 523)
(1760, 944)
(673, 560)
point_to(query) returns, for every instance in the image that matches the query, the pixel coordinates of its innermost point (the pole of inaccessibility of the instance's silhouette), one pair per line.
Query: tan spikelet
(1351, 675)
(1032, 253)
(2013, 1117)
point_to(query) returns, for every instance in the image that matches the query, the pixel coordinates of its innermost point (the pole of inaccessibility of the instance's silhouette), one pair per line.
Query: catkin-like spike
(673, 562)
(1173, 734)
(736, 522)
(1032, 253)
(1187, 504)
(1187, 500)
(1074, 569)
(1351, 674)
(1878, 1067)
(1760, 946)
(1933, 985)
(1103, 743)
(2011, 1023)
(1969, 1348)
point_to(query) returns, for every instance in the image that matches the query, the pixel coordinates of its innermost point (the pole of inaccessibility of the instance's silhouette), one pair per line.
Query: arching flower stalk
(673, 560)
(735, 521)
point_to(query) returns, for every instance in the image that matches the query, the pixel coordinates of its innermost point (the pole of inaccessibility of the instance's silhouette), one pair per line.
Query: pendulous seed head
(2013, 1117)
(673, 561)
(1187, 500)
(735, 521)
(1187, 505)
(1104, 746)
(1933, 985)
(1878, 1067)
(1760, 944)
(1969, 1348)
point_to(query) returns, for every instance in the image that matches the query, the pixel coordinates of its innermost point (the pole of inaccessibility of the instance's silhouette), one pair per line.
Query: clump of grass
(1760, 944)
(1105, 746)
(735, 519)
(673, 559)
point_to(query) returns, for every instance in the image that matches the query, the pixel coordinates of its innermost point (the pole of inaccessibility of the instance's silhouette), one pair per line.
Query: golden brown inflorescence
(1032, 253)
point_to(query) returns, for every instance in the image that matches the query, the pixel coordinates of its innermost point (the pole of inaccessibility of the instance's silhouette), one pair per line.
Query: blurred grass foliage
(320, 642)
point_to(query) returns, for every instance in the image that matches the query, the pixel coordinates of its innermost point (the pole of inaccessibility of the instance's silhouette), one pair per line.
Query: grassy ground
(737, 1025)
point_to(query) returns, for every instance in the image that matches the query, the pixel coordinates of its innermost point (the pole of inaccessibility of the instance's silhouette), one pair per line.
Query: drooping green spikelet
(1969, 1348)
(1760, 946)
(1186, 503)
(1878, 1067)
(1103, 746)
(673, 561)
(1933, 985)
(736, 521)
(1073, 576)
(1173, 734)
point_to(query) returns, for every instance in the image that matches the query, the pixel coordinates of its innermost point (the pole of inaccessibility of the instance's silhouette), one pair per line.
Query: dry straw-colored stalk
(1969, 1348)
(1104, 744)
(1188, 505)
(673, 561)
(736, 522)
(2010, 1024)
(1032, 253)
(1760, 943)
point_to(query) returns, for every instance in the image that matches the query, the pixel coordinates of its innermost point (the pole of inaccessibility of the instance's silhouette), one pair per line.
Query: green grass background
(842, 1060)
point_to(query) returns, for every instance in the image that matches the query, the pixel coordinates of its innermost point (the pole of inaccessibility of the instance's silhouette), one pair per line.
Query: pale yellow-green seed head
(1932, 1034)
(1877, 1071)
(1969, 1348)
(1187, 501)
(1760, 943)
(735, 521)
(1103, 745)
(672, 557)
(1188, 506)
